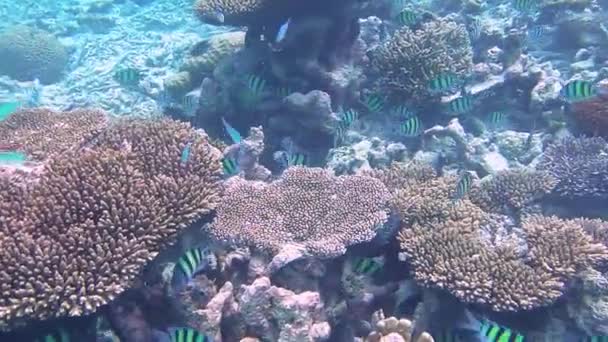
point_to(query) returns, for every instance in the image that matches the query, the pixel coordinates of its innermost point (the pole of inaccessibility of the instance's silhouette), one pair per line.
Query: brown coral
(592, 115)
(445, 256)
(42, 132)
(408, 61)
(512, 190)
(80, 235)
(307, 206)
(392, 329)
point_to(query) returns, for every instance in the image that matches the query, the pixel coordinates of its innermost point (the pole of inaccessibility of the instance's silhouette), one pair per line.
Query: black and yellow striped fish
(497, 119)
(297, 159)
(464, 185)
(525, 5)
(443, 82)
(578, 90)
(349, 116)
(373, 102)
(367, 266)
(407, 18)
(496, 333)
(402, 112)
(595, 339)
(188, 335)
(284, 91)
(229, 166)
(60, 335)
(460, 105)
(128, 76)
(412, 127)
(448, 336)
(193, 261)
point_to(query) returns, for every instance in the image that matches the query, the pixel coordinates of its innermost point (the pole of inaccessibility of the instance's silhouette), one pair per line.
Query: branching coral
(41, 132)
(592, 115)
(307, 206)
(511, 190)
(411, 59)
(445, 256)
(80, 235)
(29, 53)
(580, 166)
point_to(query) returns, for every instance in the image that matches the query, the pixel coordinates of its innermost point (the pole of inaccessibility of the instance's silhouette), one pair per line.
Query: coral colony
(304, 171)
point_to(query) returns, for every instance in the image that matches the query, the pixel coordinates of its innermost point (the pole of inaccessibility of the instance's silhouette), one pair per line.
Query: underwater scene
(304, 171)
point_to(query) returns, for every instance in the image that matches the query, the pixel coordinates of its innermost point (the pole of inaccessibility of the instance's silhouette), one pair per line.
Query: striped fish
(187, 335)
(497, 119)
(578, 90)
(367, 266)
(407, 18)
(297, 159)
(525, 5)
(475, 28)
(443, 82)
(464, 185)
(256, 86)
(460, 105)
(448, 336)
(373, 102)
(496, 333)
(537, 34)
(128, 76)
(190, 103)
(229, 166)
(340, 131)
(12, 158)
(8, 108)
(284, 91)
(412, 127)
(192, 262)
(402, 112)
(349, 116)
(60, 335)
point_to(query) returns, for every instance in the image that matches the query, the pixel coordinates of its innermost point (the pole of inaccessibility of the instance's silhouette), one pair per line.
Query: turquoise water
(284, 170)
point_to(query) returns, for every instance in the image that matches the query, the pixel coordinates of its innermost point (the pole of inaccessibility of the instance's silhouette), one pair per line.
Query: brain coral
(29, 53)
(307, 206)
(580, 166)
(410, 59)
(81, 234)
(40, 132)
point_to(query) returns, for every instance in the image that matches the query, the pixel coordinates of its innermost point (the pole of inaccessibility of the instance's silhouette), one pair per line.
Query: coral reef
(42, 132)
(29, 53)
(80, 235)
(234, 12)
(394, 329)
(306, 206)
(408, 61)
(511, 190)
(450, 257)
(580, 166)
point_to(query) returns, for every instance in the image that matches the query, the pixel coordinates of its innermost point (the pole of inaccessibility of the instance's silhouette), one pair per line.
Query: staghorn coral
(81, 234)
(402, 175)
(408, 61)
(580, 166)
(41, 132)
(592, 115)
(511, 190)
(446, 256)
(28, 53)
(306, 206)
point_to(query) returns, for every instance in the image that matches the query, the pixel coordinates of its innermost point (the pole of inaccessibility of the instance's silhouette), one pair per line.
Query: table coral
(41, 132)
(81, 234)
(306, 206)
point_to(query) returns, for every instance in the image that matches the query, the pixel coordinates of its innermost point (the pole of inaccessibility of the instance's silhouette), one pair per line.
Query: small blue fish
(12, 158)
(282, 31)
(192, 262)
(185, 154)
(187, 335)
(8, 108)
(595, 338)
(59, 335)
(235, 136)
